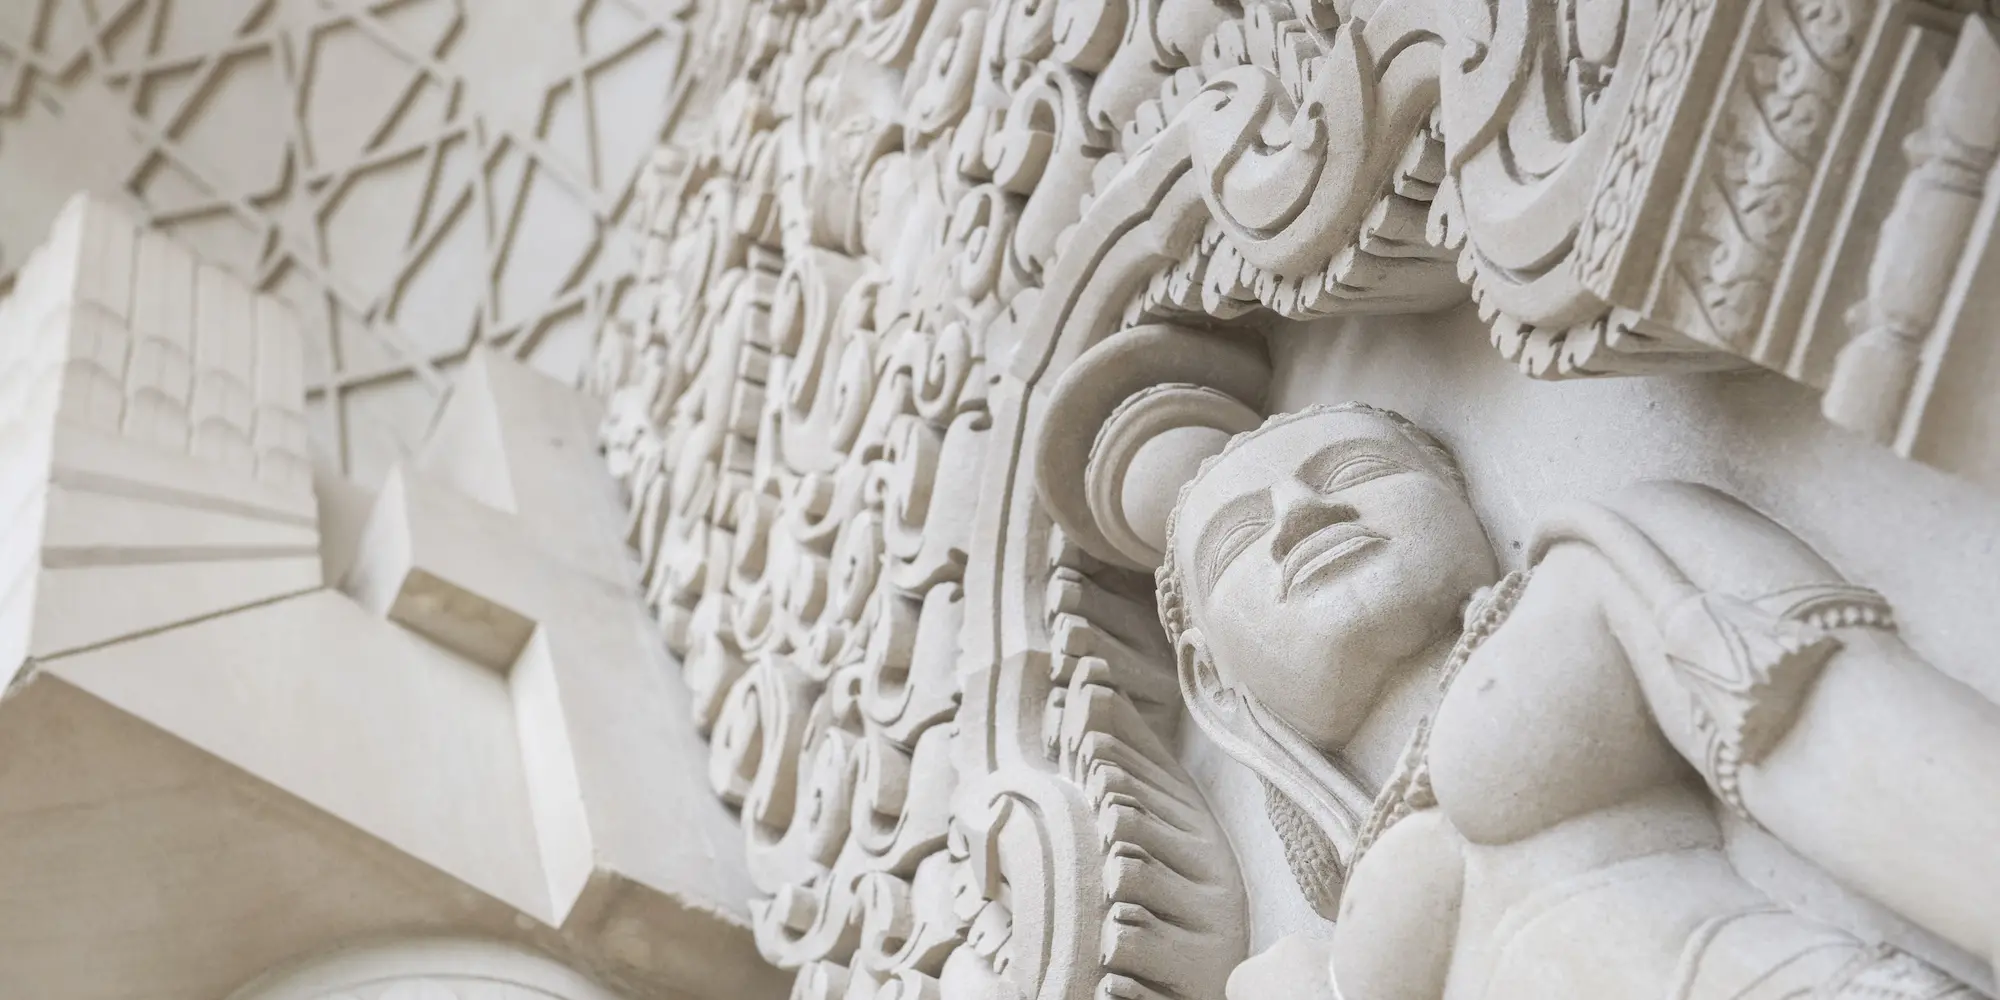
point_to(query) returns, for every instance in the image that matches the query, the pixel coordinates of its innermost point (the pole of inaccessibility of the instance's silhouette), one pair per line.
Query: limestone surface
(1076, 500)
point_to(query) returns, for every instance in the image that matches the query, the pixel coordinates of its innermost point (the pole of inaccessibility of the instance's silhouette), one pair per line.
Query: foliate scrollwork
(819, 443)
(1780, 122)
(1623, 187)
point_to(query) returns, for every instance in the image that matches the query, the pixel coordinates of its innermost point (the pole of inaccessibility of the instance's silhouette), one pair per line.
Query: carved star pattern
(414, 176)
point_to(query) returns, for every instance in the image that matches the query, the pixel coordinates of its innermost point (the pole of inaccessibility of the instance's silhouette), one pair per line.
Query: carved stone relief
(1623, 188)
(1313, 587)
(948, 731)
(954, 325)
(949, 299)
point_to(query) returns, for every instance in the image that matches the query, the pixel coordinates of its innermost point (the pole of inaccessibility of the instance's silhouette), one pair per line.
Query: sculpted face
(1318, 557)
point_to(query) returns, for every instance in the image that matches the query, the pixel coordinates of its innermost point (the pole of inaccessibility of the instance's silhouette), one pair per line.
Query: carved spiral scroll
(805, 423)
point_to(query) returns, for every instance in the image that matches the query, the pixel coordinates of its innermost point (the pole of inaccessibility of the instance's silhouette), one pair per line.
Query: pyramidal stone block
(244, 737)
(428, 560)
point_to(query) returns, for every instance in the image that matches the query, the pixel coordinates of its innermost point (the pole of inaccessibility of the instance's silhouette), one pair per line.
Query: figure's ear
(1195, 665)
(1215, 704)
(1320, 806)
(1212, 701)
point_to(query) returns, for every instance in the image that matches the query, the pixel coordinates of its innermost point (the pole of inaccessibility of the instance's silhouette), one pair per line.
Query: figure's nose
(1303, 512)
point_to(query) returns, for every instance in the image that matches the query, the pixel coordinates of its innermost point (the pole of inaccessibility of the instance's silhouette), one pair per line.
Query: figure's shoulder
(1712, 539)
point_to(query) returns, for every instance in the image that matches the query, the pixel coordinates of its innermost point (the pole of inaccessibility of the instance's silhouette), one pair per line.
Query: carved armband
(1747, 666)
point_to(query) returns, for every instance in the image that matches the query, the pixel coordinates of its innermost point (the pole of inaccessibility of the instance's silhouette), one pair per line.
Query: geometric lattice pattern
(413, 177)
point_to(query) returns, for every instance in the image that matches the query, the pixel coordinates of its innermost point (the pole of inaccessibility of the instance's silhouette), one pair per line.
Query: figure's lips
(1321, 550)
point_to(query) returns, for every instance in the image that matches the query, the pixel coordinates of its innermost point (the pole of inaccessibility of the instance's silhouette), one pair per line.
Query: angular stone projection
(220, 763)
(156, 464)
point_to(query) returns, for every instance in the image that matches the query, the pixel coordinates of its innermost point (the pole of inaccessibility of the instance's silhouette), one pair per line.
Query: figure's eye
(1358, 470)
(1239, 536)
(1232, 530)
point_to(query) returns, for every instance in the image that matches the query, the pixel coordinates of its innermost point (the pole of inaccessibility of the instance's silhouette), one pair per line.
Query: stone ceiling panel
(414, 176)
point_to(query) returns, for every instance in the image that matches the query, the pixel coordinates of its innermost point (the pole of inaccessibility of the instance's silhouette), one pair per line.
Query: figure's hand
(1296, 968)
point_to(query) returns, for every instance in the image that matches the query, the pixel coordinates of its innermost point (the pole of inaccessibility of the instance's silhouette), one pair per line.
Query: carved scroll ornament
(1623, 187)
(948, 729)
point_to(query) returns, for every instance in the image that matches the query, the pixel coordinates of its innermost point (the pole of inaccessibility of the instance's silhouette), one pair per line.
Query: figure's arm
(1399, 914)
(1889, 778)
(1838, 739)
(1393, 941)
(1293, 969)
